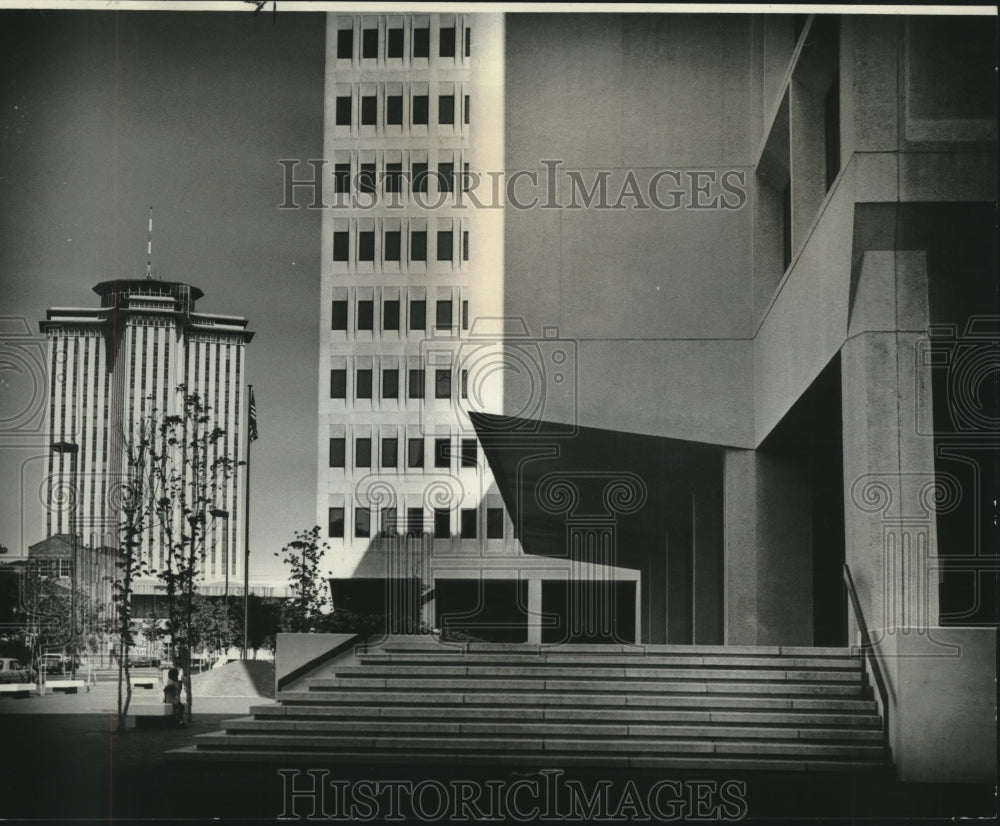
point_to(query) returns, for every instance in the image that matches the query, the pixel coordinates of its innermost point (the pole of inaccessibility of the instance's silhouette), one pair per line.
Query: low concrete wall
(943, 708)
(296, 653)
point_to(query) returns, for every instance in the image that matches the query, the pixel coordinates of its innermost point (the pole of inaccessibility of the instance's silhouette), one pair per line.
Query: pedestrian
(172, 695)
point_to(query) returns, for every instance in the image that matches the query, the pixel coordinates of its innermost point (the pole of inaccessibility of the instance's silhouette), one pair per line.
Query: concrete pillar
(891, 492)
(535, 611)
(767, 525)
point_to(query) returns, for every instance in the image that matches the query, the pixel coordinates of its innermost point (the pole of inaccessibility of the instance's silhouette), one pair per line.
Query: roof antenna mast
(149, 248)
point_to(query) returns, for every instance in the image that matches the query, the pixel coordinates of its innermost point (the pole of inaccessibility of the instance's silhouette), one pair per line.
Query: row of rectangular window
(365, 317)
(343, 113)
(392, 245)
(468, 523)
(416, 383)
(421, 43)
(443, 453)
(365, 180)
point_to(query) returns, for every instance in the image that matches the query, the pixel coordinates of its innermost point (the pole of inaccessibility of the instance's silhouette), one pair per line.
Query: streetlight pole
(73, 450)
(218, 513)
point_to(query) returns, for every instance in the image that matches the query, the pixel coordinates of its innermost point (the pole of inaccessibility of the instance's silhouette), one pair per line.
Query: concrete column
(767, 525)
(535, 611)
(891, 492)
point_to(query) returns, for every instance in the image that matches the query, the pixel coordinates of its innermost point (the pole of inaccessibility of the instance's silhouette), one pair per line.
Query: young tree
(135, 519)
(193, 470)
(307, 608)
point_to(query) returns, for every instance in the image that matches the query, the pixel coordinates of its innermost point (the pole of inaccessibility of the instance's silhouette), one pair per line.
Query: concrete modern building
(109, 367)
(749, 268)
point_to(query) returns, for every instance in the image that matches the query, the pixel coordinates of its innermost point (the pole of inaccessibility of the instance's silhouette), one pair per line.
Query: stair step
(432, 683)
(633, 715)
(617, 700)
(192, 754)
(601, 649)
(529, 745)
(551, 729)
(595, 672)
(611, 660)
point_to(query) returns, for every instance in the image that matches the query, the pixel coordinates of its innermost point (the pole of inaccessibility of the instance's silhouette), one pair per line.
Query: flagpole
(246, 532)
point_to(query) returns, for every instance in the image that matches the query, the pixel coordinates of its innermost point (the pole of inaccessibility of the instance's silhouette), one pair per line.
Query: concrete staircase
(648, 707)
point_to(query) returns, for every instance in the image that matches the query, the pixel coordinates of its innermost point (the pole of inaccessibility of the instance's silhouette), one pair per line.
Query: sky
(105, 114)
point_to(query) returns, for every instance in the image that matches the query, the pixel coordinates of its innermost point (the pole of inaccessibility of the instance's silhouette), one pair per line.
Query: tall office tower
(411, 279)
(109, 367)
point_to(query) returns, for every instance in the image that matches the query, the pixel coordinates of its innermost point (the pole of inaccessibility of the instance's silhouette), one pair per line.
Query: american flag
(253, 418)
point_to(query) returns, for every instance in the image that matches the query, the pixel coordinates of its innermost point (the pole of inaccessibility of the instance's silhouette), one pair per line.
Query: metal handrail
(868, 649)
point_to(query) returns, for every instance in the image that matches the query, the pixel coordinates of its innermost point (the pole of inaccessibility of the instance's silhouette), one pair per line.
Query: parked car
(55, 664)
(143, 661)
(11, 671)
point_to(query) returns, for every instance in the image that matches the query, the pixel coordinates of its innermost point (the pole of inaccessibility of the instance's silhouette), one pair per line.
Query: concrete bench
(67, 686)
(145, 682)
(149, 714)
(18, 689)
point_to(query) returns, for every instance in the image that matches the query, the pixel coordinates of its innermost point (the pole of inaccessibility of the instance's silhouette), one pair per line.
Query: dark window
(442, 453)
(468, 452)
(419, 177)
(443, 314)
(466, 111)
(395, 45)
(446, 177)
(339, 315)
(442, 384)
(362, 523)
(442, 523)
(366, 178)
(786, 225)
(389, 457)
(366, 246)
(465, 245)
(494, 523)
(465, 384)
(363, 452)
(390, 315)
(369, 110)
(418, 315)
(394, 110)
(422, 42)
(341, 246)
(366, 315)
(390, 384)
(364, 384)
(468, 42)
(418, 246)
(369, 43)
(392, 241)
(420, 109)
(416, 384)
(338, 384)
(342, 177)
(345, 50)
(389, 520)
(336, 517)
(343, 110)
(831, 125)
(415, 453)
(444, 245)
(447, 43)
(468, 526)
(414, 521)
(337, 452)
(465, 315)
(393, 177)
(446, 109)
